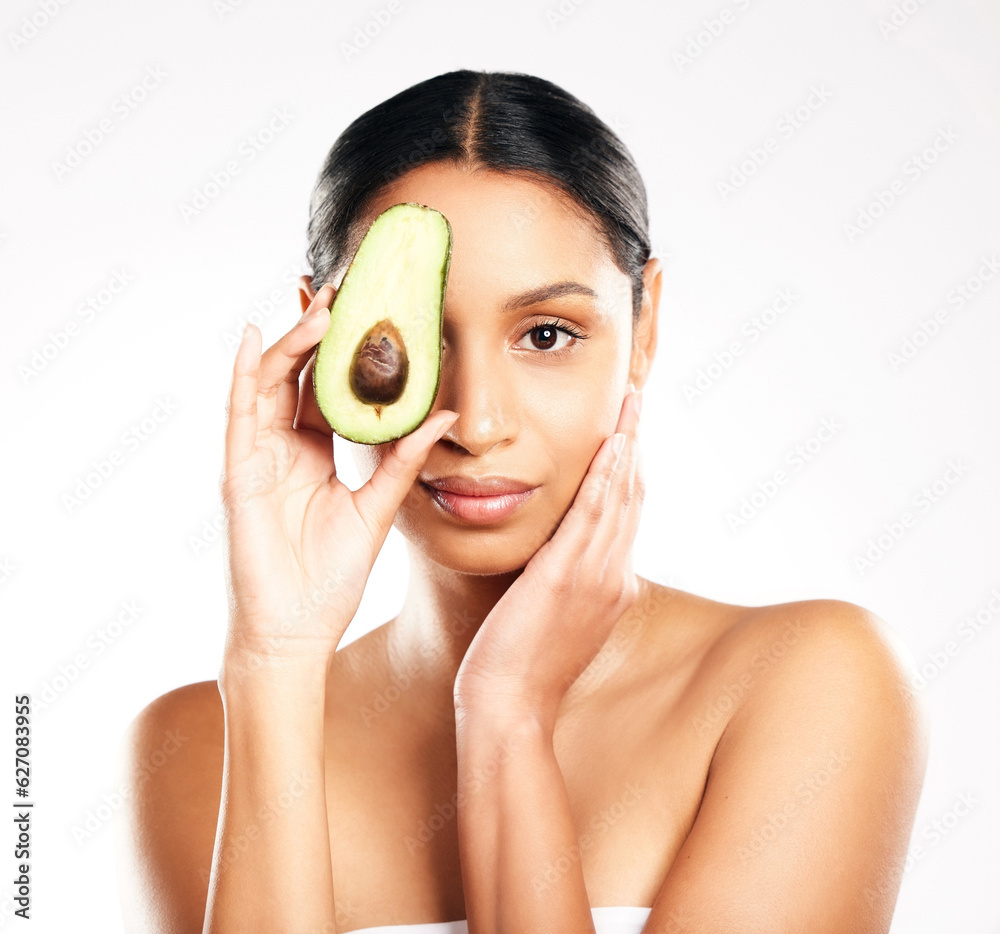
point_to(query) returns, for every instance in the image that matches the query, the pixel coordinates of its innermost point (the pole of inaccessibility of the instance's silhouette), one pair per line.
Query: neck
(440, 616)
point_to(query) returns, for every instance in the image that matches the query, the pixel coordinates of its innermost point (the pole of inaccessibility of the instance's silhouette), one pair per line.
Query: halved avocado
(378, 367)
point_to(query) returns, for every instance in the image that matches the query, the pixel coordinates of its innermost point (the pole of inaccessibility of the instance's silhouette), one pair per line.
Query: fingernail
(444, 427)
(629, 388)
(617, 443)
(638, 402)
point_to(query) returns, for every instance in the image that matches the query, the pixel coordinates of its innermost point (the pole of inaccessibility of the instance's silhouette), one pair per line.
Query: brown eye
(545, 338)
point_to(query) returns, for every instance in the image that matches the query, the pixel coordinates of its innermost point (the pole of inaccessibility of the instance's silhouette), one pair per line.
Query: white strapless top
(615, 919)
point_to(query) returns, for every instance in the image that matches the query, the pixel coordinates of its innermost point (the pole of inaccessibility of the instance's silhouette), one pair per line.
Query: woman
(541, 740)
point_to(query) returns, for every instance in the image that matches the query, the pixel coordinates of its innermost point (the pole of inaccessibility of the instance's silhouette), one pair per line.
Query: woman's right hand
(301, 545)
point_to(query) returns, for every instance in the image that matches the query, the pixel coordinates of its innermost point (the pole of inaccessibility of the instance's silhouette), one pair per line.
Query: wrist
(276, 651)
(254, 673)
(494, 715)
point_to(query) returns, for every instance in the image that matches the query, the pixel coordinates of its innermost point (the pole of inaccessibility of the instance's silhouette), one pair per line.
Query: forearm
(271, 869)
(520, 855)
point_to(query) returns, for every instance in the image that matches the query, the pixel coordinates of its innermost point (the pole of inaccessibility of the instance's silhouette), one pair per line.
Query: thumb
(378, 500)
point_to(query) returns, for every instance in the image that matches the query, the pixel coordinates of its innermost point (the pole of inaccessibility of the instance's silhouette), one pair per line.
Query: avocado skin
(346, 414)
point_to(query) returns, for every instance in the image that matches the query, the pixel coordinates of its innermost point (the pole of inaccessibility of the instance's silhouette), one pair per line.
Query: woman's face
(534, 404)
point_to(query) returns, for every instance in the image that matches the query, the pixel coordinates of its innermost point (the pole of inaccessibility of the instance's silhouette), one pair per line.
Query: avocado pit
(380, 365)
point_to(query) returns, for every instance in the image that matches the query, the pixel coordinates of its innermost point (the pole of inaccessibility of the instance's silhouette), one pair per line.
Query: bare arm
(812, 792)
(170, 769)
(224, 822)
(271, 868)
(521, 866)
(301, 546)
(520, 854)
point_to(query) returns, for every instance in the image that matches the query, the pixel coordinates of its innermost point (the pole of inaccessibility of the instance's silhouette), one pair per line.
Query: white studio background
(865, 228)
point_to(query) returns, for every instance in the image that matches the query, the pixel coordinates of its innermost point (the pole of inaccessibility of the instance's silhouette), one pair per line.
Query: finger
(288, 401)
(309, 414)
(281, 364)
(614, 564)
(241, 408)
(616, 533)
(378, 500)
(578, 527)
(590, 522)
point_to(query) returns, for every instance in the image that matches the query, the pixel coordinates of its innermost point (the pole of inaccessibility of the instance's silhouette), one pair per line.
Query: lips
(478, 500)
(492, 485)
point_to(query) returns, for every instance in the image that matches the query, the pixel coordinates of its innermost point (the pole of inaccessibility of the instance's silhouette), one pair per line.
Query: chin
(475, 549)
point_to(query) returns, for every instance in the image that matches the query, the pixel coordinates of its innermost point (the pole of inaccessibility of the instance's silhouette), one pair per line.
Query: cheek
(573, 444)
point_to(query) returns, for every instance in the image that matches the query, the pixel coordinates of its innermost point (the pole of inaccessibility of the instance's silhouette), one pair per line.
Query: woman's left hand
(552, 621)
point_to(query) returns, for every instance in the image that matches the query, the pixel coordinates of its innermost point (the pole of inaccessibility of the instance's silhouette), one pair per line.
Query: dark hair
(509, 122)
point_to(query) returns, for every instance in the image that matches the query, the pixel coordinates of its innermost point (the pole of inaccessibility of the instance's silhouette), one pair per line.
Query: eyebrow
(545, 292)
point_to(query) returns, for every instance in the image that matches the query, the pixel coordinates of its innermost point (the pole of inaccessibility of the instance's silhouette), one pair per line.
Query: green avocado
(378, 367)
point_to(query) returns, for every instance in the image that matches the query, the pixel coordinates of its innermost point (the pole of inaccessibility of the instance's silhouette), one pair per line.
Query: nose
(478, 390)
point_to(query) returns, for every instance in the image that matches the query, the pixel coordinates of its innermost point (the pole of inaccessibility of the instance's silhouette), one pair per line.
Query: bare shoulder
(833, 643)
(828, 689)
(815, 777)
(815, 649)
(170, 763)
(760, 671)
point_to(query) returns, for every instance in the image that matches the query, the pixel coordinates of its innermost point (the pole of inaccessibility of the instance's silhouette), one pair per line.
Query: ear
(306, 293)
(307, 414)
(645, 333)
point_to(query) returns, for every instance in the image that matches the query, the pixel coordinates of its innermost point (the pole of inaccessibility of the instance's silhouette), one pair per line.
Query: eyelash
(556, 326)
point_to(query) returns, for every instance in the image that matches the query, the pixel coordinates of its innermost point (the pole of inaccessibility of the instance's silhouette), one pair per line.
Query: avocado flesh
(378, 366)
